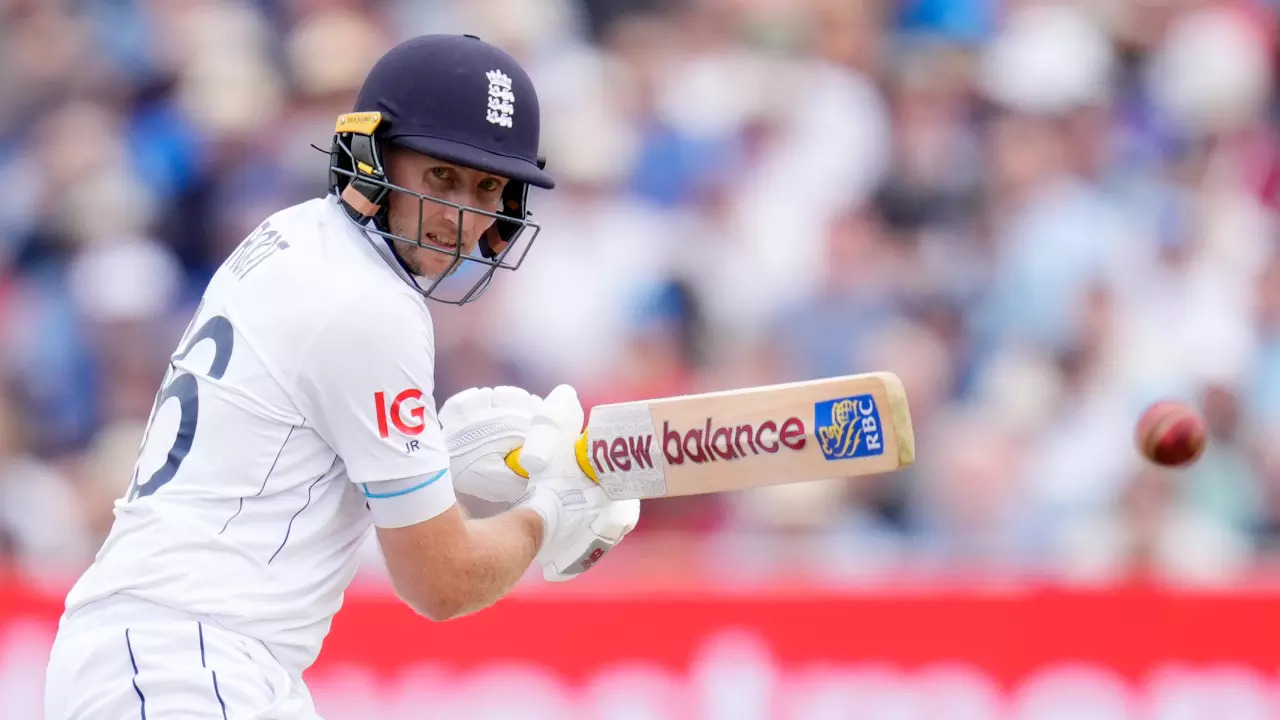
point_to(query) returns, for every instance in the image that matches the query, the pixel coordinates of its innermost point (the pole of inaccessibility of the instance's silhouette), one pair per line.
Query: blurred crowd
(1042, 214)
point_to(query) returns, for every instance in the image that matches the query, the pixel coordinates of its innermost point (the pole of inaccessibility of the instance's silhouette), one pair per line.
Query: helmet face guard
(358, 176)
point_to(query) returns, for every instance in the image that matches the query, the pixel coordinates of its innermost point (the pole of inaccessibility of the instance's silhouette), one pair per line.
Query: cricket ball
(1171, 433)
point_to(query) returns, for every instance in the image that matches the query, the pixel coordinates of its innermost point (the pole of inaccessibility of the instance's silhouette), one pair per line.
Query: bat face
(732, 440)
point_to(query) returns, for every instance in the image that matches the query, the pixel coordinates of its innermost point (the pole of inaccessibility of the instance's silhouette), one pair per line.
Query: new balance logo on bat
(843, 428)
(709, 443)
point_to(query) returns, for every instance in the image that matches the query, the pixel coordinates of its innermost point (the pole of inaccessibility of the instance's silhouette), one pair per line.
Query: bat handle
(579, 449)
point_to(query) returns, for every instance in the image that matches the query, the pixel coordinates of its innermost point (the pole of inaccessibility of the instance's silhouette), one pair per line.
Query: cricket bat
(737, 439)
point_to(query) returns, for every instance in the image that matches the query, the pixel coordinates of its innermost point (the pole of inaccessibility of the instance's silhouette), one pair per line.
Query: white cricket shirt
(302, 385)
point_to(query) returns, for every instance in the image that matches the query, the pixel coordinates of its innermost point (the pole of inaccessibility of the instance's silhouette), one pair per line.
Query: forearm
(501, 548)
(449, 566)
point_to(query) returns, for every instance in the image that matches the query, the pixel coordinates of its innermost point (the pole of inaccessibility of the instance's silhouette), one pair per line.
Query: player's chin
(438, 264)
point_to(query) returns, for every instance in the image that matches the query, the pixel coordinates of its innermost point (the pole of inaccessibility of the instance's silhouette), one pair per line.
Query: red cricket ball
(1171, 433)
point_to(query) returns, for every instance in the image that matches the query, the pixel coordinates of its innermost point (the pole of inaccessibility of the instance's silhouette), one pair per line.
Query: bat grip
(579, 450)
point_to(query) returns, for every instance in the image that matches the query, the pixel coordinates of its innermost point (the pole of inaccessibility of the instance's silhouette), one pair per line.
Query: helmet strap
(358, 203)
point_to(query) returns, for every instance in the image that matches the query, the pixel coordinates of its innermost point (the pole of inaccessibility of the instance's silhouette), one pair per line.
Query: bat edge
(900, 414)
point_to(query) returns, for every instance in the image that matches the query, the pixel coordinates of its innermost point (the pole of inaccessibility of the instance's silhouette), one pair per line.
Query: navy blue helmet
(458, 99)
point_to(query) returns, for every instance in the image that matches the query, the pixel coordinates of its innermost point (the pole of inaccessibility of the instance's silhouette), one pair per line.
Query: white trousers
(115, 663)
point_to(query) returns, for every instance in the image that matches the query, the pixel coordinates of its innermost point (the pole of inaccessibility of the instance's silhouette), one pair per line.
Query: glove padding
(482, 425)
(580, 523)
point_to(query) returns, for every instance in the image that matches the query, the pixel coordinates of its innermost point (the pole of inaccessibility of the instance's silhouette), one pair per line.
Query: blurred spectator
(1153, 534)
(1263, 403)
(1267, 452)
(1224, 484)
(1054, 233)
(962, 20)
(968, 511)
(40, 511)
(861, 290)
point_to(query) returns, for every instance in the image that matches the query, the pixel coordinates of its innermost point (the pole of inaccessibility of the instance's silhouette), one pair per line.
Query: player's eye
(490, 185)
(440, 172)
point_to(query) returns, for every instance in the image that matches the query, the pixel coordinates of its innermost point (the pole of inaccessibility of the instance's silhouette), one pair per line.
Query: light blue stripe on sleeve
(430, 479)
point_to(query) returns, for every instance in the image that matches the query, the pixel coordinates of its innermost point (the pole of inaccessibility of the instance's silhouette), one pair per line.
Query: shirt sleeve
(408, 501)
(367, 387)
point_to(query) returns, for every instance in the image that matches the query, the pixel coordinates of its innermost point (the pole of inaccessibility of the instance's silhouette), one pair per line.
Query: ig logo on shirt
(405, 412)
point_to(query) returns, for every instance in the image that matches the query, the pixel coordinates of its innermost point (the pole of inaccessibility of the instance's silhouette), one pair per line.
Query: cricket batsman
(297, 416)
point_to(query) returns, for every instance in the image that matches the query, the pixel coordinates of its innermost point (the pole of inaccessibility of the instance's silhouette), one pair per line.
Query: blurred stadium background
(1042, 214)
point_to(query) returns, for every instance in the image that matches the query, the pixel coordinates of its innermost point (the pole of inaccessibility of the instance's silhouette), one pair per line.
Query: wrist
(542, 504)
(533, 524)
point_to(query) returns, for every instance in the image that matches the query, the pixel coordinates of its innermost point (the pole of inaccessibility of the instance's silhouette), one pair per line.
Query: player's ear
(392, 161)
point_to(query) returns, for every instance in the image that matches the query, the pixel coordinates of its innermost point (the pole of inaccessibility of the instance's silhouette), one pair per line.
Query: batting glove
(580, 523)
(482, 425)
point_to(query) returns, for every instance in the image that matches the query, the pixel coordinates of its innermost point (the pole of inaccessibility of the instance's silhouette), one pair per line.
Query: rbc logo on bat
(848, 427)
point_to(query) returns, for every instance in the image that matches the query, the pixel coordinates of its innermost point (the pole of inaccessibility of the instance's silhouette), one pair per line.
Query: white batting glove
(578, 554)
(482, 425)
(580, 523)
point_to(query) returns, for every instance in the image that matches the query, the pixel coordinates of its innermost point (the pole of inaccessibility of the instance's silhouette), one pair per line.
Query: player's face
(446, 181)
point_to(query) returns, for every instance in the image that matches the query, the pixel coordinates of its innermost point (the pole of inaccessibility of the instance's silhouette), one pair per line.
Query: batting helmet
(459, 99)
